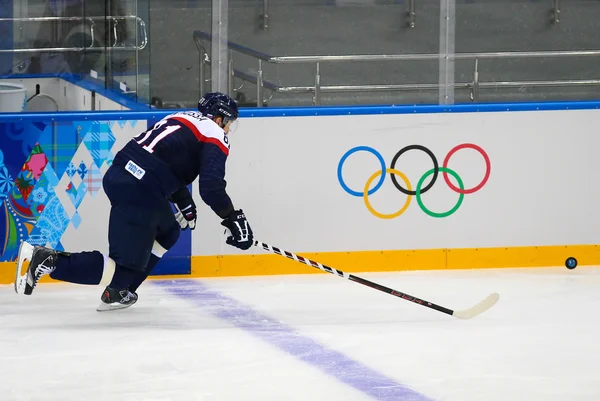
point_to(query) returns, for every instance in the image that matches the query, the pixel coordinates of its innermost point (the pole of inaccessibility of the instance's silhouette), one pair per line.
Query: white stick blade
(479, 308)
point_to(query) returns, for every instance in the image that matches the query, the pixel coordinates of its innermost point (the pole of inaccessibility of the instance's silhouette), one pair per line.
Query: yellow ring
(366, 194)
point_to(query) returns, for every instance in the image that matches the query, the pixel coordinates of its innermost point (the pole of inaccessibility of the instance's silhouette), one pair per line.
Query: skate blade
(25, 254)
(110, 307)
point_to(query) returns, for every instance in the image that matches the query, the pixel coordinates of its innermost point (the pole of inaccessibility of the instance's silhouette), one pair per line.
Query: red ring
(488, 168)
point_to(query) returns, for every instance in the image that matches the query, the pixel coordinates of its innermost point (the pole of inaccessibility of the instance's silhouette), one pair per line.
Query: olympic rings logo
(419, 190)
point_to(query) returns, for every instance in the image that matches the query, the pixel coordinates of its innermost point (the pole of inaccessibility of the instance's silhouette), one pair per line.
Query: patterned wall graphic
(47, 172)
(35, 156)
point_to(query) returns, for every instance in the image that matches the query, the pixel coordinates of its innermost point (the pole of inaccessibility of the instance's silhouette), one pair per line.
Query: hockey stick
(481, 307)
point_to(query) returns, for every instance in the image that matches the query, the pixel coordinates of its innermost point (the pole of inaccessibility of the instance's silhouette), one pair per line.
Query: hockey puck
(571, 263)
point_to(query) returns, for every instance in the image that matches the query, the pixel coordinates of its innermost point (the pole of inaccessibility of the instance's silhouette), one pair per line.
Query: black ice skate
(42, 261)
(116, 299)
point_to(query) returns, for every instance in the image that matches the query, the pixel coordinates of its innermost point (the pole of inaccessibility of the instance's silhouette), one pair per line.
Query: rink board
(317, 182)
(392, 260)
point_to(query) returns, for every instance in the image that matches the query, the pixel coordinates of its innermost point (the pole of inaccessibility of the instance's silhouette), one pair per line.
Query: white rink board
(541, 191)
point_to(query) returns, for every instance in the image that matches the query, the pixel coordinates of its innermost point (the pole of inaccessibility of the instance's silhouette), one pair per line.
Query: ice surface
(315, 337)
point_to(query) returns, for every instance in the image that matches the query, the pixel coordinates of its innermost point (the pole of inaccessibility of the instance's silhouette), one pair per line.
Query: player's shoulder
(205, 129)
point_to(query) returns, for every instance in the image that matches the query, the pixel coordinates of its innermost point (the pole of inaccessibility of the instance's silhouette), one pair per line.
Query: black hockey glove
(241, 233)
(186, 209)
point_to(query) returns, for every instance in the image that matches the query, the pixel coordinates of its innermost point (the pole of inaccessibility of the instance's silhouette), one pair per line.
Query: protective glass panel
(128, 49)
(73, 55)
(509, 50)
(175, 59)
(339, 52)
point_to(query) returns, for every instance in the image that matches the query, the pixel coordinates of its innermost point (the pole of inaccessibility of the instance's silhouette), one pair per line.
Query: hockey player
(148, 174)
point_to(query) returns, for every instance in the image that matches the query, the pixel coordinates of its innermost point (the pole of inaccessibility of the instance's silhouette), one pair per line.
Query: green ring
(418, 191)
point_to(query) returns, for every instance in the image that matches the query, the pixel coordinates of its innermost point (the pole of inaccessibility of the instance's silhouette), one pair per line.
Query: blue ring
(350, 152)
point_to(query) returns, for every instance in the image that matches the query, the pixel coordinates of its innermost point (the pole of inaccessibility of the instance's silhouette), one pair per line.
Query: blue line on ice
(268, 329)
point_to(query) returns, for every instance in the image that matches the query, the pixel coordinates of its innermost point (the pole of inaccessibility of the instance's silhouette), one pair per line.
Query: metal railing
(140, 27)
(317, 89)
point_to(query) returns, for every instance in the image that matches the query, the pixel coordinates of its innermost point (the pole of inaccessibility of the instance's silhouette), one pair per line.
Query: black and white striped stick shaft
(464, 314)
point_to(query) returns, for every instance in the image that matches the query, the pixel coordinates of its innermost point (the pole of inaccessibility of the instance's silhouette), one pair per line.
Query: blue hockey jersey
(176, 150)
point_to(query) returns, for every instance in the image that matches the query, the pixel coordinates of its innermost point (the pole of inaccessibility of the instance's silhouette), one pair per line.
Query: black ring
(435, 166)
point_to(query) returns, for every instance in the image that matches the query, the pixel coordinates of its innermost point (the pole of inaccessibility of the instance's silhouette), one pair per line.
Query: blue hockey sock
(141, 276)
(123, 277)
(79, 268)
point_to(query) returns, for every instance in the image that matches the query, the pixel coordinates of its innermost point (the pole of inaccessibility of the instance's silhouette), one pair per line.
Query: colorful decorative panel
(49, 170)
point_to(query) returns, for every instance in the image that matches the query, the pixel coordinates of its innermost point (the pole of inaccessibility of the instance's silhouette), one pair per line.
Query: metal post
(23, 12)
(137, 58)
(411, 13)
(201, 71)
(475, 90)
(259, 85)
(108, 72)
(219, 76)
(317, 98)
(556, 12)
(230, 73)
(446, 66)
(265, 15)
(20, 38)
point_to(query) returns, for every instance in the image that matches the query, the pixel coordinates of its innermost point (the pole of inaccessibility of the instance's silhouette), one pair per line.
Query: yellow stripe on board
(386, 261)
(378, 261)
